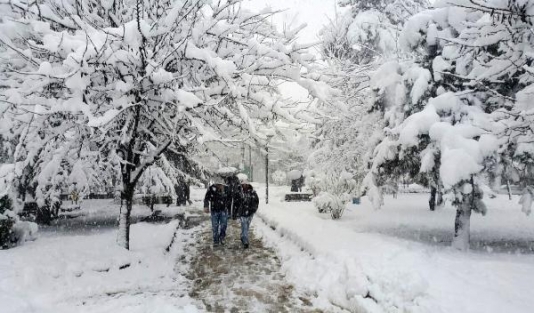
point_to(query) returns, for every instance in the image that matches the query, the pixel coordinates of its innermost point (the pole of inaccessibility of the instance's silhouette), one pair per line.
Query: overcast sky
(315, 13)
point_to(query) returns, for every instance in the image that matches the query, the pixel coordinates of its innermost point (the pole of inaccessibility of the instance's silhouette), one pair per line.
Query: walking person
(74, 194)
(235, 195)
(217, 202)
(182, 193)
(247, 208)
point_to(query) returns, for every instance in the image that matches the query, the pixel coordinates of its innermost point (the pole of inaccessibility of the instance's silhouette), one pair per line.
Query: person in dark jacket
(217, 201)
(182, 192)
(247, 208)
(235, 194)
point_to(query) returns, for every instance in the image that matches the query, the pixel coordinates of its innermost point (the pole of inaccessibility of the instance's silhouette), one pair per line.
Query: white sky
(315, 13)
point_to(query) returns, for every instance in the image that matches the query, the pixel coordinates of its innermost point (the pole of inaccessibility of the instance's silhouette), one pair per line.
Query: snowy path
(231, 279)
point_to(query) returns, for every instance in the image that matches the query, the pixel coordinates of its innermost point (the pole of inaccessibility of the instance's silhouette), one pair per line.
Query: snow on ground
(503, 229)
(393, 260)
(397, 259)
(77, 266)
(231, 279)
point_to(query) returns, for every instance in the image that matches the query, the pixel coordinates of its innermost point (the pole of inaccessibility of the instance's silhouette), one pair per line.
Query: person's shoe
(215, 243)
(245, 245)
(222, 242)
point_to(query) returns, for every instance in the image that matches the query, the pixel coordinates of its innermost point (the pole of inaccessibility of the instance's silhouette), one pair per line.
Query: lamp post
(250, 163)
(267, 169)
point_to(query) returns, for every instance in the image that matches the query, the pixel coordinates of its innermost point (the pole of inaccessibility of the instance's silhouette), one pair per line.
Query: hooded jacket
(250, 201)
(217, 198)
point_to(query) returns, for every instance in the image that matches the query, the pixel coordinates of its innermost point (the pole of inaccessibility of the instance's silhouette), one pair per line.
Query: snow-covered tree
(401, 88)
(473, 122)
(136, 79)
(369, 29)
(355, 46)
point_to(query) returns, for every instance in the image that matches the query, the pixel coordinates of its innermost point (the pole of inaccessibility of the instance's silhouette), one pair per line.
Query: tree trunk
(462, 226)
(124, 217)
(439, 200)
(432, 200)
(509, 189)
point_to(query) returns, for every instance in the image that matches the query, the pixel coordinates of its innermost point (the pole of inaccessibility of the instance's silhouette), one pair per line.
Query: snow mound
(227, 171)
(294, 174)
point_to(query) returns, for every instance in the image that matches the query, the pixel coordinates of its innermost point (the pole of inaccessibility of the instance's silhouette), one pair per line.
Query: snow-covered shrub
(313, 181)
(279, 177)
(24, 231)
(335, 192)
(12, 231)
(155, 187)
(326, 202)
(7, 221)
(412, 188)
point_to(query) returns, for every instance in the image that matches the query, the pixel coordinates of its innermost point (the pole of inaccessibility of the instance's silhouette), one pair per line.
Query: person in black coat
(217, 201)
(182, 192)
(236, 195)
(247, 207)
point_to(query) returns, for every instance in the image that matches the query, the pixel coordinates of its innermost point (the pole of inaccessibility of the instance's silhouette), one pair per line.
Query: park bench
(29, 209)
(298, 197)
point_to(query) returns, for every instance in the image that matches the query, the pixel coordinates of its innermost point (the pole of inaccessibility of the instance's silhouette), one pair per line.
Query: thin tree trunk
(509, 189)
(439, 200)
(462, 223)
(462, 226)
(124, 218)
(432, 200)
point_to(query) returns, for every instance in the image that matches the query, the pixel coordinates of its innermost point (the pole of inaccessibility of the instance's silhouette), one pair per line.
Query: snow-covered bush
(13, 231)
(336, 192)
(326, 202)
(412, 188)
(279, 177)
(313, 181)
(24, 231)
